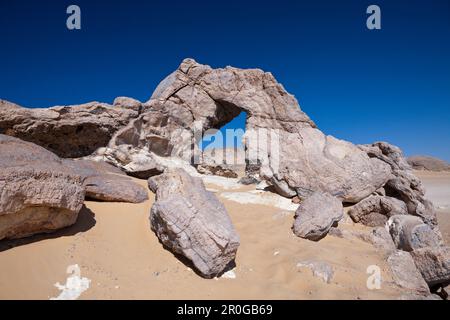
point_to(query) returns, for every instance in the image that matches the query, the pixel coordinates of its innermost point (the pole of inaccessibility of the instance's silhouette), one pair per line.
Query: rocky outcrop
(316, 215)
(428, 163)
(403, 184)
(434, 264)
(375, 210)
(292, 153)
(410, 233)
(38, 193)
(406, 275)
(191, 221)
(68, 131)
(104, 182)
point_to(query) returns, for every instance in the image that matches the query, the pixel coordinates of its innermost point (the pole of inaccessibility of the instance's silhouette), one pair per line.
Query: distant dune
(428, 163)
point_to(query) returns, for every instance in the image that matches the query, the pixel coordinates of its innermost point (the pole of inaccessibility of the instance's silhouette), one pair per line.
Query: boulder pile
(153, 140)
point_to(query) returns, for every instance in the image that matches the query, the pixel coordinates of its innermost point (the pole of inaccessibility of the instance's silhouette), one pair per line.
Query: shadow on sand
(85, 221)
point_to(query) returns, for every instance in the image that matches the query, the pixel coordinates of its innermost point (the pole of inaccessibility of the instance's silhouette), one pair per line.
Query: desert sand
(116, 250)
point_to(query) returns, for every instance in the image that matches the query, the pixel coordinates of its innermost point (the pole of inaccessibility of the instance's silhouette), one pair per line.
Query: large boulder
(405, 274)
(104, 182)
(192, 222)
(316, 215)
(68, 131)
(410, 233)
(428, 163)
(283, 144)
(375, 210)
(38, 193)
(434, 264)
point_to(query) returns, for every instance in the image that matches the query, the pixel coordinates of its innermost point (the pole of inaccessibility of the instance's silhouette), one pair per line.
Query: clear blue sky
(391, 84)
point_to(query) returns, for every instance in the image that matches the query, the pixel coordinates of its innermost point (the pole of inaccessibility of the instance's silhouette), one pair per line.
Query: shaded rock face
(428, 163)
(300, 159)
(38, 194)
(69, 131)
(192, 222)
(222, 162)
(403, 184)
(106, 183)
(316, 215)
(434, 264)
(375, 210)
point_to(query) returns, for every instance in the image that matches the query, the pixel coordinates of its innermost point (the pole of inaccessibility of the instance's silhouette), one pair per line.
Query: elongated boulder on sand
(68, 131)
(316, 215)
(37, 193)
(104, 182)
(191, 221)
(283, 144)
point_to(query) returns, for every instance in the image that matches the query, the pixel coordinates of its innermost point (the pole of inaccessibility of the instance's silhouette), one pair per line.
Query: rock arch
(196, 97)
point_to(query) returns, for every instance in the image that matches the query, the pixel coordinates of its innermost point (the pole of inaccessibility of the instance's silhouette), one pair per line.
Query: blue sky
(391, 84)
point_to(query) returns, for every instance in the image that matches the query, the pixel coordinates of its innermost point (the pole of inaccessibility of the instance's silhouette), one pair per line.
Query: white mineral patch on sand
(262, 198)
(229, 275)
(74, 286)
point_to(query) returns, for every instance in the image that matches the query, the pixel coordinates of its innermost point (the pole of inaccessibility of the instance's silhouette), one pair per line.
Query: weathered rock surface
(106, 183)
(434, 264)
(222, 170)
(68, 131)
(410, 233)
(376, 210)
(224, 162)
(315, 216)
(428, 163)
(300, 159)
(405, 273)
(403, 184)
(192, 222)
(37, 193)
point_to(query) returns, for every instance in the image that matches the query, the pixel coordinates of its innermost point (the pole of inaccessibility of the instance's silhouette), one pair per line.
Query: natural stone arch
(196, 95)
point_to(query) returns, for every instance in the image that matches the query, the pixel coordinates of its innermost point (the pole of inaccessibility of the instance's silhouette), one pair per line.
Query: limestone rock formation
(68, 131)
(282, 143)
(376, 210)
(434, 264)
(38, 194)
(428, 163)
(410, 233)
(403, 184)
(106, 183)
(192, 222)
(316, 215)
(221, 162)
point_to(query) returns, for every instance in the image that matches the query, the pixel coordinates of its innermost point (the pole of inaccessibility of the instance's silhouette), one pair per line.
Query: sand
(116, 250)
